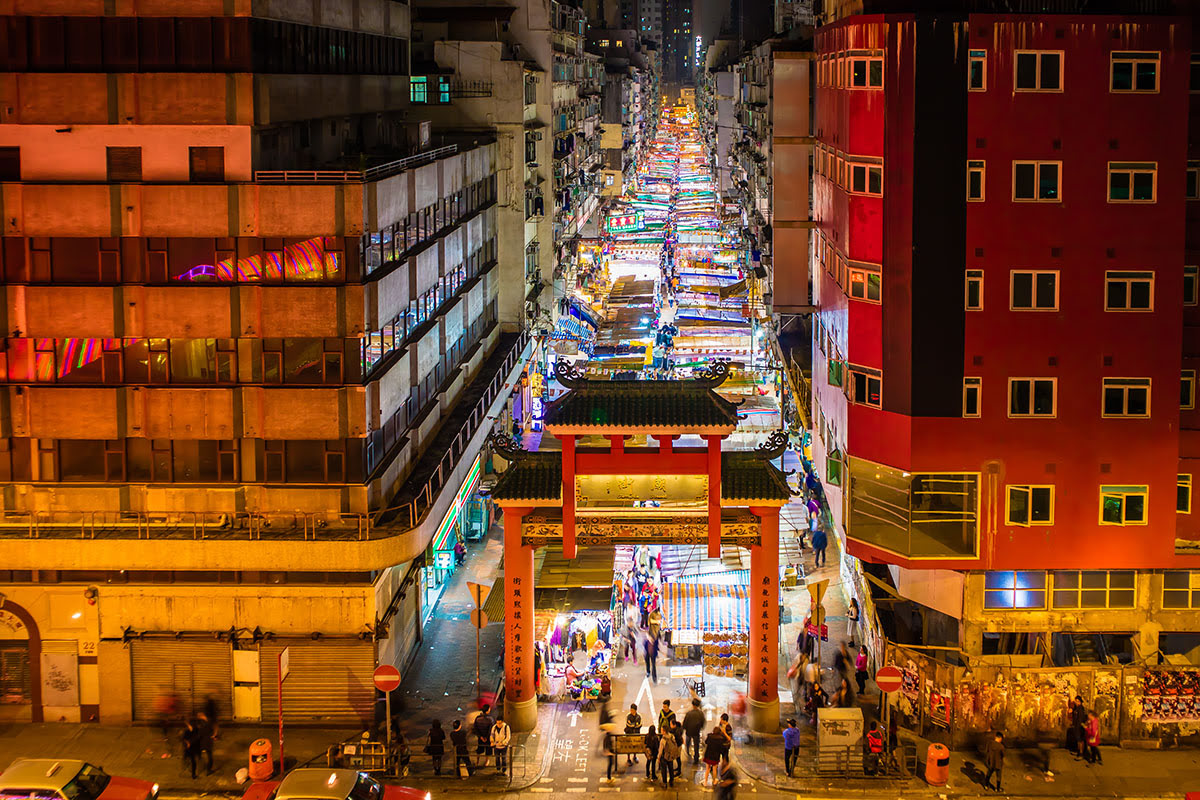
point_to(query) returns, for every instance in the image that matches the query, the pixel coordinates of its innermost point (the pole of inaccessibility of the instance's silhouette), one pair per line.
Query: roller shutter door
(329, 682)
(190, 669)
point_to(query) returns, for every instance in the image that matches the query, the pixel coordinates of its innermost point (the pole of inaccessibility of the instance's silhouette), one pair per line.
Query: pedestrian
(874, 747)
(460, 553)
(630, 637)
(210, 711)
(655, 620)
(1092, 732)
(166, 709)
(436, 747)
(205, 743)
(727, 732)
(820, 540)
(791, 745)
(501, 736)
(610, 750)
(462, 759)
(714, 746)
(633, 725)
(482, 726)
(841, 659)
(1072, 731)
(993, 759)
(861, 662)
(652, 745)
(852, 615)
(726, 787)
(666, 717)
(191, 746)
(677, 735)
(817, 699)
(668, 753)
(693, 725)
(812, 675)
(1079, 722)
(844, 696)
(650, 651)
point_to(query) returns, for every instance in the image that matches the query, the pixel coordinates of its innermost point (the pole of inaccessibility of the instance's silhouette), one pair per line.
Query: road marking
(574, 719)
(547, 789)
(645, 688)
(577, 780)
(576, 788)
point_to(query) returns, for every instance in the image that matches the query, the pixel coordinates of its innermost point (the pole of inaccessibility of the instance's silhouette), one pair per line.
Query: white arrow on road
(646, 690)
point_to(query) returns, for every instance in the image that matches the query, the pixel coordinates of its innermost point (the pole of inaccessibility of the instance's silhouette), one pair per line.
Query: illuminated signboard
(624, 223)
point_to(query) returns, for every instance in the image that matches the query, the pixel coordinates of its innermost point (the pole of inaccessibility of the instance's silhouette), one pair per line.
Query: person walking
(1072, 733)
(191, 746)
(861, 662)
(482, 726)
(651, 653)
(714, 746)
(204, 729)
(1079, 717)
(610, 750)
(726, 786)
(874, 747)
(668, 752)
(677, 734)
(462, 759)
(666, 718)
(1092, 732)
(633, 725)
(652, 745)
(435, 748)
(791, 745)
(820, 540)
(693, 726)
(501, 736)
(993, 759)
(852, 615)
(210, 711)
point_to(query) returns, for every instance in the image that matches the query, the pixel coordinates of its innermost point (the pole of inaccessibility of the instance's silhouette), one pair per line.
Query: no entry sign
(888, 678)
(386, 677)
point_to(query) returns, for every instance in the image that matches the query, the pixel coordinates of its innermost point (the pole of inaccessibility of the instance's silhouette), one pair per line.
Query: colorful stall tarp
(706, 607)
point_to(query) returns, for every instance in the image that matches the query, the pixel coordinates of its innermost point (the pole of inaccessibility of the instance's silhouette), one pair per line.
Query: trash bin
(937, 765)
(262, 766)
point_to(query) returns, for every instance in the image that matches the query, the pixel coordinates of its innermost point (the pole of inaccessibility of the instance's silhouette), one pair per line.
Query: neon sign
(625, 223)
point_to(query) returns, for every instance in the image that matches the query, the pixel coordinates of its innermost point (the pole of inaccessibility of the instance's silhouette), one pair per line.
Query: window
(974, 293)
(975, 172)
(865, 387)
(977, 71)
(866, 179)
(1190, 279)
(1134, 72)
(1123, 505)
(1183, 493)
(971, 390)
(1039, 71)
(1034, 290)
(1181, 589)
(835, 372)
(1129, 291)
(10, 163)
(1030, 505)
(1036, 180)
(1032, 397)
(865, 285)
(833, 468)
(206, 163)
(1187, 389)
(866, 73)
(418, 89)
(1194, 83)
(1192, 190)
(1132, 182)
(1126, 397)
(124, 164)
(1012, 590)
(1094, 588)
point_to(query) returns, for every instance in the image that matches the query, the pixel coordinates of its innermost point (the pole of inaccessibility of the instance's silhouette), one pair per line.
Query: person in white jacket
(501, 736)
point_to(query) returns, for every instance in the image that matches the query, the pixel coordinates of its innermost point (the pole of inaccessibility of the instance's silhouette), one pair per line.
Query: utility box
(840, 741)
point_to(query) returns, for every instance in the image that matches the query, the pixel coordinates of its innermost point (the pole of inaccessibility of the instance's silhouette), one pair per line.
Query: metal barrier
(354, 176)
(248, 525)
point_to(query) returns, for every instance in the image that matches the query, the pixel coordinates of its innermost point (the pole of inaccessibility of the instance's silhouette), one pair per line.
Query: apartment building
(630, 91)
(1005, 340)
(252, 342)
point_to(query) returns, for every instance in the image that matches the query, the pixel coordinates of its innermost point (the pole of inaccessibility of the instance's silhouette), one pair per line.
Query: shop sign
(812, 630)
(627, 223)
(11, 626)
(621, 491)
(443, 559)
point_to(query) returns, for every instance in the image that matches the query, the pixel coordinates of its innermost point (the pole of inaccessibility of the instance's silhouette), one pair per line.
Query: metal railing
(240, 525)
(354, 176)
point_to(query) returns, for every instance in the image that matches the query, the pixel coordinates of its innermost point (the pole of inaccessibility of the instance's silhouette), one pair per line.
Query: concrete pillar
(520, 700)
(763, 680)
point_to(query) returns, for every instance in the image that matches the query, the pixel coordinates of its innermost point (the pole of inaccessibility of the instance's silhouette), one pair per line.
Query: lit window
(418, 89)
(1181, 589)
(1032, 397)
(866, 73)
(1123, 505)
(1013, 590)
(1039, 71)
(866, 387)
(975, 183)
(1187, 389)
(865, 285)
(866, 179)
(1132, 183)
(1125, 397)
(1134, 72)
(1094, 588)
(971, 390)
(1034, 290)
(1191, 277)
(974, 293)
(833, 468)
(604, 42)
(1030, 505)
(835, 372)
(1036, 180)
(977, 71)
(1183, 493)
(1192, 190)
(1129, 291)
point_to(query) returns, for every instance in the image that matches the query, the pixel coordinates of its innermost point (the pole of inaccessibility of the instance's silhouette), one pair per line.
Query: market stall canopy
(706, 607)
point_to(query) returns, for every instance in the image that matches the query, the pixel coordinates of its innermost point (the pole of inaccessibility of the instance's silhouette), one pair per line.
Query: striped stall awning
(706, 607)
(729, 577)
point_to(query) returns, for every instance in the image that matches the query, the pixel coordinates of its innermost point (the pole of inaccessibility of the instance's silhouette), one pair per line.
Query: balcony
(923, 515)
(355, 176)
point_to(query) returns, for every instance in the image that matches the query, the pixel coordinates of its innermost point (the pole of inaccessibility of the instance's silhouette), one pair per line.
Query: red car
(69, 779)
(316, 783)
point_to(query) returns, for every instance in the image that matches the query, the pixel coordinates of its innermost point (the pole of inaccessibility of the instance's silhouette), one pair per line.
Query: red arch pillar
(763, 680)
(520, 699)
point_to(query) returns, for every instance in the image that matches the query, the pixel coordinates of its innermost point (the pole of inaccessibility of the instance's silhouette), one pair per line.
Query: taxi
(69, 779)
(318, 783)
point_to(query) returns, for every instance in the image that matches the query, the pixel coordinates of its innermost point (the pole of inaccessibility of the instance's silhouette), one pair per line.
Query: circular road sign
(888, 678)
(387, 677)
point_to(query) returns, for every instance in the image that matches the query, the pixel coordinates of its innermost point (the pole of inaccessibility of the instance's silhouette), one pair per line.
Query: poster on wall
(939, 707)
(1171, 696)
(60, 679)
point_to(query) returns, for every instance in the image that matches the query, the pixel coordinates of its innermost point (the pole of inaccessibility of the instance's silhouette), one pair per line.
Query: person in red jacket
(1092, 731)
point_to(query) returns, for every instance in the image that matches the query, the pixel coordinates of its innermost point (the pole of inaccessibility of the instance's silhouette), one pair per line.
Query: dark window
(124, 164)
(207, 163)
(81, 459)
(10, 163)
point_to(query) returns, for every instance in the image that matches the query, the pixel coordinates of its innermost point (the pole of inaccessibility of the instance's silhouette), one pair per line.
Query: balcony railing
(354, 176)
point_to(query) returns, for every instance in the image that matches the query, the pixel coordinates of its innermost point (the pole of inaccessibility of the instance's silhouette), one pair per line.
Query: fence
(356, 175)
(247, 525)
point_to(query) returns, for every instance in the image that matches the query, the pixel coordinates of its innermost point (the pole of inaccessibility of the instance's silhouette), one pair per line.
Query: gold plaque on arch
(649, 492)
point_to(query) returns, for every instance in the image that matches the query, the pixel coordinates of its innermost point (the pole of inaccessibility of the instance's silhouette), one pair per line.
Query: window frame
(1038, 74)
(990, 590)
(1129, 277)
(867, 374)
(1192, 184)
(1187, 378)
(1108, 490)
(977, 57)
(867, 169)
(979, 167)
(1077, 589)
(1028, 489)
(1182, 480)
(973, 384)
(1034, 273)
(1037, 182)
(1134, 57)
(1191, 591)
(865, 283)
(1125, 384)
(973, 276)
(1132, 168)
(1191, 285)
(1032, 390)
(867, 61)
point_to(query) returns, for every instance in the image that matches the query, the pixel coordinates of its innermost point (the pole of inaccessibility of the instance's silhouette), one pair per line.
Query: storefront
(468, 517)
(16, 679)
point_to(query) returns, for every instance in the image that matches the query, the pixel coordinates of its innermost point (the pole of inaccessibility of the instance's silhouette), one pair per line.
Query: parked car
(69, 779)
(320, 783)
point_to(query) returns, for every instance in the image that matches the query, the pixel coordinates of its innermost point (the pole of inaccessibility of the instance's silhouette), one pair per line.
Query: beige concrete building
(256, 331)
